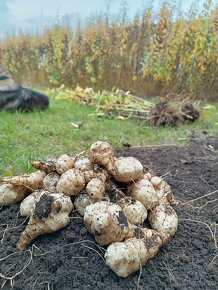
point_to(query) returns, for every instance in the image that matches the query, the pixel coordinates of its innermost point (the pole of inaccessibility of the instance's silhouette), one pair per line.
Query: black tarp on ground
(15, 97)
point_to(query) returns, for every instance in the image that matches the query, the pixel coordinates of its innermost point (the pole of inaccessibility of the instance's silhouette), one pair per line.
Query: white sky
(32, 15)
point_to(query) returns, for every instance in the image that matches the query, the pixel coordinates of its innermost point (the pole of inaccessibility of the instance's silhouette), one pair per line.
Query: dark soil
(69, 258)
(43, 206)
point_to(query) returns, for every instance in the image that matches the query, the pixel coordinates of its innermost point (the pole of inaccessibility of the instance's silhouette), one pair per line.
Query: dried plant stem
(90, 248)
(198, 198)
(213, 234)
(11, 278)
(70, 244)
(13, 228)
(139, 277)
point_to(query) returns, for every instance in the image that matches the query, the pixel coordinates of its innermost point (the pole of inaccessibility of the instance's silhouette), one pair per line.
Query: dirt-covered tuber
(163, 219)
(49, 214)
(96, 186)
(133, 209)
(50, 181)
(123, 169)
(127, 169)
(163, 191)
(28, 203)
(10, 194)
(107, 222)
(81, 202)
(64, 163)
(102, 154)
(47, 166)
(144, 191)
(71, 182)
(127, 257)
(32, 181)
(83, 163)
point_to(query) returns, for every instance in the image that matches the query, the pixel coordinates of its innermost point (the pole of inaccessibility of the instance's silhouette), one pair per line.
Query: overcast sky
(33, 15)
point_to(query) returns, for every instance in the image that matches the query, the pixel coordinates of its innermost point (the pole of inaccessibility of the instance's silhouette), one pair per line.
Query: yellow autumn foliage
(152, 54)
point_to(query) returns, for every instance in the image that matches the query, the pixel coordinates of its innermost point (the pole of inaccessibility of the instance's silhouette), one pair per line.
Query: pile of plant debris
(120, 105)
(115, 104)
(165, 114)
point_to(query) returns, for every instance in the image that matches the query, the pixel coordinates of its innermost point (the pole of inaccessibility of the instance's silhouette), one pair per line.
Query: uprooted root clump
(164, 114)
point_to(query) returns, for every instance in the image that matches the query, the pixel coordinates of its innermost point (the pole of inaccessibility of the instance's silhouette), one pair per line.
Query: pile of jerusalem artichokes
(91, 185)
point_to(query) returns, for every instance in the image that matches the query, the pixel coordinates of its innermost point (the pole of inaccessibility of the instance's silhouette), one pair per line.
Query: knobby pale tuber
(49, 214)
(163, 191)
(127, 257)
(64, 163)
(123, 169)
(144, 191)
(163, 219)
(133, 209)
(50, 181)
(83, 163)
(102, 154)
(96, 186)
(28, 203)
(81, 202)
(10, 194)
(32, 181)
(127, 169)
(107, 222)
(71, 182)
(47, 166)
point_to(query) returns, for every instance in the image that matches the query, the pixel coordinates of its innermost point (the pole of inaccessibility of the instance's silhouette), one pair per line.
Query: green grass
(25, 137)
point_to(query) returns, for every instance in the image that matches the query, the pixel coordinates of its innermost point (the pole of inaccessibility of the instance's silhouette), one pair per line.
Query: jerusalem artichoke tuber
(102, 154)
(50, 181)
(163, 219)
(133, 209)
(96, 186)
(28, 203)
(127, 169)
(144, 191)
(107, 222)
(83, 163)
(32, 181)
(81, 202)
(124, 169)
(10, 194)
(127, 257)
(47, 166)
(64, 163)
(71, 182)
(49, 213)
(163, 191)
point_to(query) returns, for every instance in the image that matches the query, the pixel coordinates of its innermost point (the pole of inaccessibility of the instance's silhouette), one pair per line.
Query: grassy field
(25, 137)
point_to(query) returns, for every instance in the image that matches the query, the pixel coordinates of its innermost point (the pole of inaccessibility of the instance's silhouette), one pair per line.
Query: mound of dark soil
(69, 259)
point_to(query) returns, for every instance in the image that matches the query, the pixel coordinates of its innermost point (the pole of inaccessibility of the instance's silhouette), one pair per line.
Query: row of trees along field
(151, 54)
